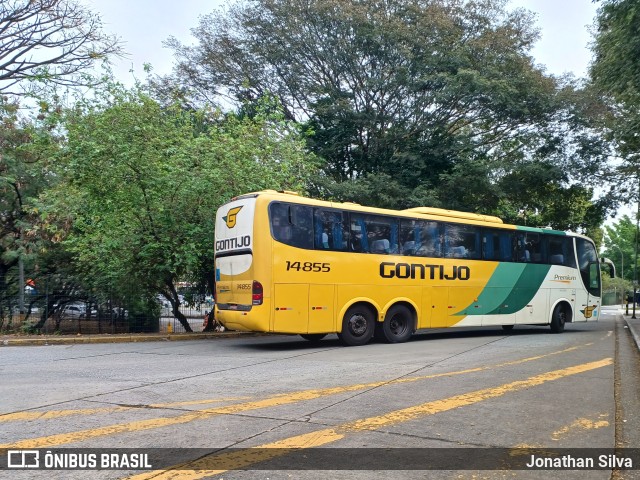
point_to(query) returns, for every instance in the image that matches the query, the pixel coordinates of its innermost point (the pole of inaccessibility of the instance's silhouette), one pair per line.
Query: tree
(56, 40)
(616, 66)
(428, 101)
(403, 87)
(619, 246)
(615, 73)
(26, 148)
(143, 184)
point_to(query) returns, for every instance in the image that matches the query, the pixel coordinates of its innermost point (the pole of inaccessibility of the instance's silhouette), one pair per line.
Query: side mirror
(609, 266)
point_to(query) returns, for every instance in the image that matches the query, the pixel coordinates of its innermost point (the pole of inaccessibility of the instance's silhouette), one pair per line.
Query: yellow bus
(290, 264)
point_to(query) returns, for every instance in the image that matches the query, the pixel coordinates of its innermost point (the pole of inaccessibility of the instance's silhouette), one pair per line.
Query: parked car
(162, 300)
(165, 303)
(77, 310)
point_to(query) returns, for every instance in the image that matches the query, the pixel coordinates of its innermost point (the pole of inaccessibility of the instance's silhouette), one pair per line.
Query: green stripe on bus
(540, 230)
(526, 287)
(502, 295)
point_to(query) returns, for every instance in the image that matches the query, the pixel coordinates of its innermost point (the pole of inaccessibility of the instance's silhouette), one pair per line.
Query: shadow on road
(295, 342)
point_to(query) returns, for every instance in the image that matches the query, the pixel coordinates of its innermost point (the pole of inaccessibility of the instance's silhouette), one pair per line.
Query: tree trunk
(181, 318)
(175, 304)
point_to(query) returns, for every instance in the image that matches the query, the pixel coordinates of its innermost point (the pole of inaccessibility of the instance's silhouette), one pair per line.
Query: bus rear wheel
(558, 319)
(357, 326)
(313, 337)
(398, 324)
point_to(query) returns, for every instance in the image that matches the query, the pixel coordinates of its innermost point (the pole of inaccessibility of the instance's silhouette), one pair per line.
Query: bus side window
(536, 248)
(301, 219)
(496, 245)
(358, 234)
(506, 240)
(561, 251)
(292, 224)
(407, 237)
(330, 230)
(382, 234)
(429, 243)
(462, 241)
(280, 227)
(556, 251)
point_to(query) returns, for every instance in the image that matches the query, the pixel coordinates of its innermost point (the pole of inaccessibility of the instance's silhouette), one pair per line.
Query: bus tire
(358, 326)
(558, 319)
(313, 337)
(398, 324)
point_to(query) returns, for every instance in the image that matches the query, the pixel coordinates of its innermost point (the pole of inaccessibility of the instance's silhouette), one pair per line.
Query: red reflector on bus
(256, 293)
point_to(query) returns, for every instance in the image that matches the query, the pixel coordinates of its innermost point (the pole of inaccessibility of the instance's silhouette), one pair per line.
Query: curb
(634, 332)
(124, 338)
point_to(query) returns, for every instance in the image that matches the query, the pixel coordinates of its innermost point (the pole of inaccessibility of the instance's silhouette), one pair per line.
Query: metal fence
(613, 297)
(63, 314)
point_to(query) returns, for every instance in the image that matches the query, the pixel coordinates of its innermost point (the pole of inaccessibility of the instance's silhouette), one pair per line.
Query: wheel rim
(398, 325)
(358, 325)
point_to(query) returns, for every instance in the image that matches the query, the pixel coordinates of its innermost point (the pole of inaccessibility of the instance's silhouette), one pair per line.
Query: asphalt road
(480, 389)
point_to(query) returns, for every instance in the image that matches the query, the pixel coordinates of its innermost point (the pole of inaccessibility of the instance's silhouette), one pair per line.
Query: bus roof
(440, 212)
(430, 213)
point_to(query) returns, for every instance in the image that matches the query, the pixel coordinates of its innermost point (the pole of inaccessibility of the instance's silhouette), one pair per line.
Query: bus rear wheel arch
(358, 325)
(561, 314)
(398, 324)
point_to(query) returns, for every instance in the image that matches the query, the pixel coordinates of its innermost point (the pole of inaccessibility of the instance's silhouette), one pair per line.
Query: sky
(143, 25)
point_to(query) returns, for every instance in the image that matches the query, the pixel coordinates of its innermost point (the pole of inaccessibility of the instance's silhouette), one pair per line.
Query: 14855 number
(308, 266)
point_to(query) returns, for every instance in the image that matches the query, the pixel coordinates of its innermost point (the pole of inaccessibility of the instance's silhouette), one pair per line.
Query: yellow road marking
(197, 402)
(221, 462)
(29, 416)
(275, 401)
(580, 424)
(51, 414)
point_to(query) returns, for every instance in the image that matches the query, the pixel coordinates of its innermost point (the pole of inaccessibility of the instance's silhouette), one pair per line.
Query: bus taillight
(256, 293)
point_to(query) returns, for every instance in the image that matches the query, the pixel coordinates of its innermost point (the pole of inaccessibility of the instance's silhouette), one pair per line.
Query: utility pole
(21, 281)
(635, 265)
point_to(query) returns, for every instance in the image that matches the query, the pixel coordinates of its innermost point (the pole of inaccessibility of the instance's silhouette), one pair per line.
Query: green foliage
(402, 88)
(620, 246)
(615, 73)
(615, 290)
(617, 67)
(142, 185)
(26, 149)
(406, 101)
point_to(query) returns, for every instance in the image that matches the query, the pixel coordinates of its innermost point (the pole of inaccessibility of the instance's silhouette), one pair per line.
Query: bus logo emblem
(588, 311)
(230, 219)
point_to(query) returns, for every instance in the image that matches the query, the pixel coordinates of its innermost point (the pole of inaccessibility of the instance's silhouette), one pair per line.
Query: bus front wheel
(398, 324)
(558, 319)
(357, 326)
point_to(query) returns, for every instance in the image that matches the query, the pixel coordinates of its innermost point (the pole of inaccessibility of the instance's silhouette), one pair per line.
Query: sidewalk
(21, 340)
(632, 323)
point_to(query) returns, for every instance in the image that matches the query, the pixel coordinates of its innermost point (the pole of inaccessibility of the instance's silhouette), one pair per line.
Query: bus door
(321, 309)
(304, 308)
(587, 298)
(291, 305)
(439, 307)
